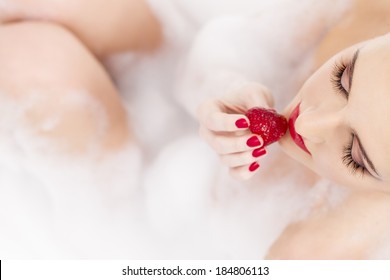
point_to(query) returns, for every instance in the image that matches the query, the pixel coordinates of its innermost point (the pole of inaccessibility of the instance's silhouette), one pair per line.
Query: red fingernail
(259, 152)
(242, 123)
(253, 166)
(253, 141)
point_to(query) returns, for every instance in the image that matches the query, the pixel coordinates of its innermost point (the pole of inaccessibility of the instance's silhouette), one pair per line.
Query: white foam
(54, 202)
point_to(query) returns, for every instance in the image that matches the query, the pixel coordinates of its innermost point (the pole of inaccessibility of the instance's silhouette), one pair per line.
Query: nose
(317, 125)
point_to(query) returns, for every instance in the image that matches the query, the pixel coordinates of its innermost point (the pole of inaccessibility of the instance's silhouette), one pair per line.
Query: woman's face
(340, 119)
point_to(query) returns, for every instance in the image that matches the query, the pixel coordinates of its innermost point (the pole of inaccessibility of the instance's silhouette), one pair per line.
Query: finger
(227, 144)
(245, 172)
(219, 121)
(256, 95)
(210, 114)
(244, 158)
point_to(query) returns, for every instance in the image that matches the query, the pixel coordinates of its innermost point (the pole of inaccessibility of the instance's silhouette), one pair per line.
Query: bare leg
(65, 94)
(105, 27)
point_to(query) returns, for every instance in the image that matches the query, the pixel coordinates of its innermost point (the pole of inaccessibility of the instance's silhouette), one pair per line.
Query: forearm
(105, 27)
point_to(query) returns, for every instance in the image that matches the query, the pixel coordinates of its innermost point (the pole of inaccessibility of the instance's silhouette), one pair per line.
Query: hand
(224, 126)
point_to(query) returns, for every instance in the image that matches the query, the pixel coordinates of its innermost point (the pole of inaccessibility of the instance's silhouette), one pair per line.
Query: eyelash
(350, 162)
(337, 74)
(347, 159)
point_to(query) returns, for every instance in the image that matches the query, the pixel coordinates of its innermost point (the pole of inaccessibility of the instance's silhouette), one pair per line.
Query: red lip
(294, 135)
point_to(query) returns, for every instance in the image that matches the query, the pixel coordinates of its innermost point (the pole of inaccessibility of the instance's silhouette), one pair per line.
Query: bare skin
(67, 39)
(127, 25)
(56, 50)
(362, 22)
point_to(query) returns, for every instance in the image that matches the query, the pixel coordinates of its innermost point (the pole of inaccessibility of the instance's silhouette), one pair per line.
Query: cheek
(325, 163)
(329, 165)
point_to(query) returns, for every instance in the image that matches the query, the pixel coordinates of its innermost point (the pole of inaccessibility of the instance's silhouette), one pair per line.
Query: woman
(339, 117)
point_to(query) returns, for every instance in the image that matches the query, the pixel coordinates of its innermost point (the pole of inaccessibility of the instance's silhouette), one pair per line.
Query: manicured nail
(242, 123)
(253, 142)
(259, 152)
(253, 166)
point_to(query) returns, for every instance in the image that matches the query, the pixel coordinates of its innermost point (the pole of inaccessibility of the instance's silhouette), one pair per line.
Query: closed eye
(342, 75)
(341, 79)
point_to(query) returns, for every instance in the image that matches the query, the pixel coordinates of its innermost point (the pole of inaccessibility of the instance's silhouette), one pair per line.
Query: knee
(65, 93)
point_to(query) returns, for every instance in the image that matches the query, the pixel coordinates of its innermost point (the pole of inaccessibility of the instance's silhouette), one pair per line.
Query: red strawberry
(267, 123)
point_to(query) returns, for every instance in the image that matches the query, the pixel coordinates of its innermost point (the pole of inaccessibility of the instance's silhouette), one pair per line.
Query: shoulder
(355, 229)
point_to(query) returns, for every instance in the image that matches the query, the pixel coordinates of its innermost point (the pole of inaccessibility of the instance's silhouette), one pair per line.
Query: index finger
(213, 118)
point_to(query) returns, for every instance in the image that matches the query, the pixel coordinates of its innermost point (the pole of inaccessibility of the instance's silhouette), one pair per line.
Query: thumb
(256, 95)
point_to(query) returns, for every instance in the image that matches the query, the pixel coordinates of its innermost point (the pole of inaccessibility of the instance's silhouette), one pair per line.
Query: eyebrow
(361, 147)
